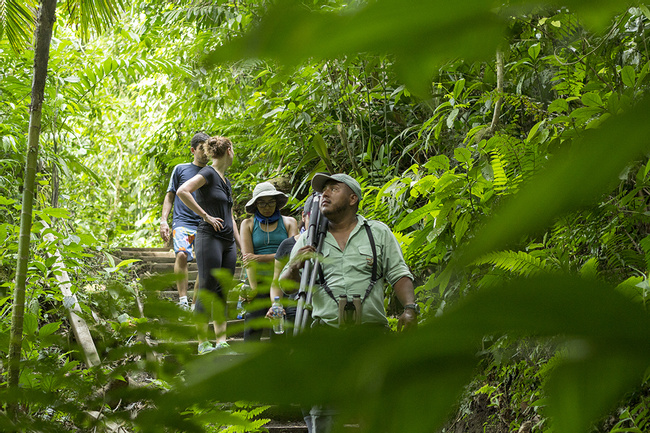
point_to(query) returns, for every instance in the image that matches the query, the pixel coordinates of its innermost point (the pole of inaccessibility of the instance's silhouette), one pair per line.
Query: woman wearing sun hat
(261, 235)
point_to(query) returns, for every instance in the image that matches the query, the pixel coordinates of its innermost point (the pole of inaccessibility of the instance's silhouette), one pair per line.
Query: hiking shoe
(224, 348)
(205, 347)
(184, 306)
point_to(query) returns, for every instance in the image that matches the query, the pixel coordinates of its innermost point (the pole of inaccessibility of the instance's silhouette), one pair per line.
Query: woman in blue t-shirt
(216, 235)
(261, 235)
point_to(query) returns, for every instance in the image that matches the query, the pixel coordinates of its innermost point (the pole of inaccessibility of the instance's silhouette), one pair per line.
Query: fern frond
(570, 79)
(615, 245)
(645, 244)
(518, 158)
(518, 262)
(500, 177)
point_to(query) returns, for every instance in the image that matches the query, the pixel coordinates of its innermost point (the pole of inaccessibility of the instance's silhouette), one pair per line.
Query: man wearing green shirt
(347, 268)
(348, 258)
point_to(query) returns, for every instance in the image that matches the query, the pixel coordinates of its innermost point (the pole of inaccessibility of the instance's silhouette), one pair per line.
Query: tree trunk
(43, 36)
(55, 167)
(499, 101)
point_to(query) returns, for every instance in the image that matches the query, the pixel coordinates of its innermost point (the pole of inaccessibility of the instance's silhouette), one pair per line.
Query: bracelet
(414, 307)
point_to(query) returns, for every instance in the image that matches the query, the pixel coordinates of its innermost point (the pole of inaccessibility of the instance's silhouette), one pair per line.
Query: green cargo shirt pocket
(366, 259)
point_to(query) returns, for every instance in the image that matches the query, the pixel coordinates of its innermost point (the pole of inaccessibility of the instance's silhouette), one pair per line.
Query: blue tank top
(268, 242)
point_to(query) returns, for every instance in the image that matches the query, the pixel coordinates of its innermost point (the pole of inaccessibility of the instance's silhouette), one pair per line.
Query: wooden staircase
(160, 261)
(157, 260)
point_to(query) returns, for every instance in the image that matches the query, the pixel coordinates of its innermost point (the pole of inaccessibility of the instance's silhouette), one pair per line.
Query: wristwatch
(414, 307)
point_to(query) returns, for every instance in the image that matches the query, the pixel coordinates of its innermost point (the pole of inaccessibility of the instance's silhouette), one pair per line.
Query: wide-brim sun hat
(266, 189)
(319, 180)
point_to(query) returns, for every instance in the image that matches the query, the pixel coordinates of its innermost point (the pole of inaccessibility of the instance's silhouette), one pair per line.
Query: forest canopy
(504, 143)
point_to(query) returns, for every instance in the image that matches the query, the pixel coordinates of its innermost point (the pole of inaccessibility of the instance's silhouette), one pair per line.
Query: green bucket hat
(319, 179)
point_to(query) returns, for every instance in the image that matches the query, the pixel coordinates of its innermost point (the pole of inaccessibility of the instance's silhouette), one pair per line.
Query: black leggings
(213, 253)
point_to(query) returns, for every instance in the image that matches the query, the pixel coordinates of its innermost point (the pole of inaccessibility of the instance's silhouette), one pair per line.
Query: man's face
(201, 157)
(336, 198)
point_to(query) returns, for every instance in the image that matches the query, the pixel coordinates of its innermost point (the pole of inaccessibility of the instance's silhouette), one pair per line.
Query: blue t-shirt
(183, 216)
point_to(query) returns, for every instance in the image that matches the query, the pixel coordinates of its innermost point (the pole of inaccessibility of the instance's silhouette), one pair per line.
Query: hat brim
(280, 197)
(318, 181)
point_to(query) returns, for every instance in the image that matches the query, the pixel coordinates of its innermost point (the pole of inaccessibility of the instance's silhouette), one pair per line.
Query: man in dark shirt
(184, 221)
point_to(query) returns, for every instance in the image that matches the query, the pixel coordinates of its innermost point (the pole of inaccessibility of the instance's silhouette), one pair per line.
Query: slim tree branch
(499, 101)
(43, 36)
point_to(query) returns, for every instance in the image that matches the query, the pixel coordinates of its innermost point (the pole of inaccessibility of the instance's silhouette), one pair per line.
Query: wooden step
(298, 427)
(182, 329)
(191, 275)
(279, 427)
(169, 267)
(144, 249)
(146, 255)
(274, 426)
(166, 259)
(172, 295)
(160, 260)
(234, 342)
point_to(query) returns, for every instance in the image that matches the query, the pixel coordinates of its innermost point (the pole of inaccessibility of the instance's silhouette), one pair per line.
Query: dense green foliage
(532, 223)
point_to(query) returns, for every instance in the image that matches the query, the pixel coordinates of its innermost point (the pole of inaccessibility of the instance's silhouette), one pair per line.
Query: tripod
(315, 237)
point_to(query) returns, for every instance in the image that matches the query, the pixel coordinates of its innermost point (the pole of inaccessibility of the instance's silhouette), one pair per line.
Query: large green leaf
(321, 149)
(291, 34)
(419, 33)
(410, 381)
(575, 178)
(416, 216)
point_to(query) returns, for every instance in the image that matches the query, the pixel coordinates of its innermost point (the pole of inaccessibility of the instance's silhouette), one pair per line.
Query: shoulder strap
(323, 283)
(282, 225)
(373, 276)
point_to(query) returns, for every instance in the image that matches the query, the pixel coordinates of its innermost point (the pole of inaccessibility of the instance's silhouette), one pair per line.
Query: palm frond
(92, 15)
(17, 21)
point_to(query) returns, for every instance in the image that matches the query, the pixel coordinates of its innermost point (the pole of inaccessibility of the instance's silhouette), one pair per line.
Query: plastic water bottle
(244, 289)
(241, 312)
(278, 316)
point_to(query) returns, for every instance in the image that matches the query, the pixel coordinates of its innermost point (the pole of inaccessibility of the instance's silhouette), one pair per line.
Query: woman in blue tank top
(261, 235)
